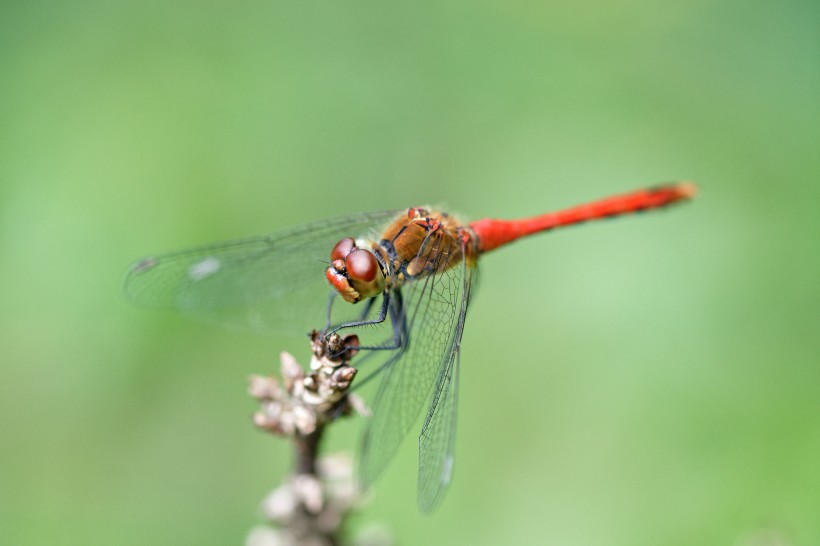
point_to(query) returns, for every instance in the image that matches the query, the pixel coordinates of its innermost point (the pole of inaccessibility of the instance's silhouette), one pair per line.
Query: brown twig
(311, 506)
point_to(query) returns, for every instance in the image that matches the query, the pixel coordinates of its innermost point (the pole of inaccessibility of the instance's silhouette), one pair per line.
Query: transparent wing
(437, 440)
(438, 434)
(269, 284)
(434, 308)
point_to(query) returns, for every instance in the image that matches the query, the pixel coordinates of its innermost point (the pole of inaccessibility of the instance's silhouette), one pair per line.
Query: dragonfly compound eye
(361, 265)
(342, 249)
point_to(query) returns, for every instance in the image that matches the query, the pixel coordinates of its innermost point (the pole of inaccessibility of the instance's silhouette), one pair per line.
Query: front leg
(328, 311)
(401, 334)
(378, 320)
(400, 330)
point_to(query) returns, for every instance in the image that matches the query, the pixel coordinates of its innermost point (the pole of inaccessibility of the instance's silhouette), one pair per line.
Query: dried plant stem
(307, 450)
(311, 506)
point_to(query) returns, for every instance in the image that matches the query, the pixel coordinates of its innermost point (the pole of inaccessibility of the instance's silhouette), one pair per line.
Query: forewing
(434, 307)
(270, 284)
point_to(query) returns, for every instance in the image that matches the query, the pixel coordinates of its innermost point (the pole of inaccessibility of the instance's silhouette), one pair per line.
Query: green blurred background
(652, 380)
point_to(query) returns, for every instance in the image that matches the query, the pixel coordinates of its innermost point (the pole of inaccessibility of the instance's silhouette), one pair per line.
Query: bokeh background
(651, 380)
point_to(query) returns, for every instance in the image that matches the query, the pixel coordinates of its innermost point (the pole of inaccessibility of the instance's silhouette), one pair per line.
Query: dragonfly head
(354, 272)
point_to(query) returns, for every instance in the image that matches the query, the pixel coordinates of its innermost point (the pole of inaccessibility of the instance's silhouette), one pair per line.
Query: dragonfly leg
(368, 305)
(400, 335)
(330, 301)
(356, 323)
(386, 306)
(396, 311)
(396, 341)
(329, 313)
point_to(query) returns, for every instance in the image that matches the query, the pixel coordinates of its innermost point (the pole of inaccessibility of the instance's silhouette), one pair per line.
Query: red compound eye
(361, 265)
(342, 249)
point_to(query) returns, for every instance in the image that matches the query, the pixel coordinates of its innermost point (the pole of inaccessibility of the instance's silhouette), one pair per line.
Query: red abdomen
(494, 233)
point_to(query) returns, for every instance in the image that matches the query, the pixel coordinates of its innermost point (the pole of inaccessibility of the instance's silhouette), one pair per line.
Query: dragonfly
(414, 269)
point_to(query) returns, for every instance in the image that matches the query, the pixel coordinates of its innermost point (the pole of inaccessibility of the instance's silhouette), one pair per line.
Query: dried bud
(310, 383)
(270, 418)
(351, 346)
(336, 467)
(308, 489)
(304, 420)
(264, 388)
(281, 504)
(343, 376)
(291, 371)
(273, 409)
(265, 536)
(263, 421)
(335, 348)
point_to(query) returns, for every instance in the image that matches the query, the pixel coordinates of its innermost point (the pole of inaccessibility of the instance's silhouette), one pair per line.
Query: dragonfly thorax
(355, 272)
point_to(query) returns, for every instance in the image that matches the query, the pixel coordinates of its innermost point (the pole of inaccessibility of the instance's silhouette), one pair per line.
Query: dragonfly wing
(434, 308)
(438, 434)
(437, 440)
(268, 284)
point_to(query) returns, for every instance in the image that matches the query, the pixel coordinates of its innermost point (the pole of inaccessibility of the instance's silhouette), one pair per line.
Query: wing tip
(129, 284)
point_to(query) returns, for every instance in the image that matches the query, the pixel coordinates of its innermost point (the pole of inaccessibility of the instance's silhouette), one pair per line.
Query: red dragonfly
(418, 264)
